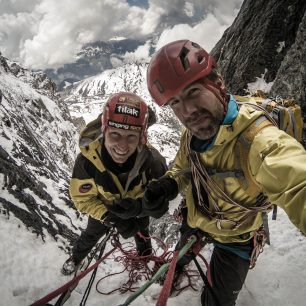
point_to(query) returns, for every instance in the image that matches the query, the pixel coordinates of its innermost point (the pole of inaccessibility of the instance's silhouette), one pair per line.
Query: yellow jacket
(277, 162)
(94, 182)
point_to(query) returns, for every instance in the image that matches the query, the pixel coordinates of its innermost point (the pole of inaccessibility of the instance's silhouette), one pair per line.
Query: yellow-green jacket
(277, 162)
(94, 184)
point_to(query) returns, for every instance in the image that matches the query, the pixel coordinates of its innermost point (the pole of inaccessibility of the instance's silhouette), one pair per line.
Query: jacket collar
(201, 146)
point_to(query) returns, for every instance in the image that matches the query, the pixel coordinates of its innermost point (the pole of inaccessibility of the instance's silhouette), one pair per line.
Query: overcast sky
(48, 33)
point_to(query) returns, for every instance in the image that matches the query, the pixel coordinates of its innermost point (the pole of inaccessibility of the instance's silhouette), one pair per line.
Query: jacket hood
(91, 133)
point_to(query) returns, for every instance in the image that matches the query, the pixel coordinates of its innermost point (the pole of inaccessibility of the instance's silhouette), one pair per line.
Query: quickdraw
(260, 239)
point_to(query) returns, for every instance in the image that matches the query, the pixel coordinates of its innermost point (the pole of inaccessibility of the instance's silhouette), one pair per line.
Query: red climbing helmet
(126, 111)
(175, 66)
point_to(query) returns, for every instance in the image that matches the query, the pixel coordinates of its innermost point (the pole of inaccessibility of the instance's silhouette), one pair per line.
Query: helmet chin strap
(218, 89)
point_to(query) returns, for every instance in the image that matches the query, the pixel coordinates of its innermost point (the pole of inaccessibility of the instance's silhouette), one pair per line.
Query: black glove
(158, 193)
(186, 232)
(126, 228)
(165, 186)
(126, 208)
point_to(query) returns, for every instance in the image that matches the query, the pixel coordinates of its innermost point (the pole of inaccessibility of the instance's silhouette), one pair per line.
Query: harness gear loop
(260, 238)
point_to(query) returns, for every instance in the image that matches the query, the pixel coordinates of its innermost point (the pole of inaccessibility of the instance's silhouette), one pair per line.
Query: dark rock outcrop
(266, 39)
(290, 79)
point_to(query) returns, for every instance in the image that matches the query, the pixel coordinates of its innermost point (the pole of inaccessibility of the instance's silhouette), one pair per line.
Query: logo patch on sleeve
(85, 188)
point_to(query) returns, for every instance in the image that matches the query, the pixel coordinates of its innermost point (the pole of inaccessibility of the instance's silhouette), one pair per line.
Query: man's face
(199, 110)
(120, 144)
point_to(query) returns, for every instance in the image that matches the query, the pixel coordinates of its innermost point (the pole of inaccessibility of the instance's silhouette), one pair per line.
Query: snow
(281, 45)
(117, 38)
(31, 270)
(259, 84)
(30, 267)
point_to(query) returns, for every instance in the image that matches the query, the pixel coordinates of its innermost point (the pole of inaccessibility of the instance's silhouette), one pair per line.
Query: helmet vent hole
(200, 59)
(159, 86)
(196, 45)
(184, 59)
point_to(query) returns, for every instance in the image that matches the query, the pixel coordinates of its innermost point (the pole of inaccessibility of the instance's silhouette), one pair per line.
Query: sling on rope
(162, 270)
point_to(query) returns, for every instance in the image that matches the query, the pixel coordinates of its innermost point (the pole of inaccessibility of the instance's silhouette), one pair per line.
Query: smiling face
(199, 110)
(120, 144)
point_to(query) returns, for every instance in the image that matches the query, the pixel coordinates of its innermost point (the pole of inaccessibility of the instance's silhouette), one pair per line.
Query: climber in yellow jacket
(114, 166)
(240, 163)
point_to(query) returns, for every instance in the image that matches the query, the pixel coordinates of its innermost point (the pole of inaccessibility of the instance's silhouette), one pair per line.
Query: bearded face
(199, 110)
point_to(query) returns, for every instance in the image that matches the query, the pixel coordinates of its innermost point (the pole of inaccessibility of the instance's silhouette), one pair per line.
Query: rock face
(37, 151)
(267, 38)
(291, 76)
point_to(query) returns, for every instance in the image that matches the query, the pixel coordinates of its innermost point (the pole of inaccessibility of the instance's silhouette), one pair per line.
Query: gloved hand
(126, 208)
(186, 232)
(126, 228)
(158, 193)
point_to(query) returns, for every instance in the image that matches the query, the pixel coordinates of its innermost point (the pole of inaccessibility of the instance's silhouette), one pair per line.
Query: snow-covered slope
(31, 270)
(37, 150)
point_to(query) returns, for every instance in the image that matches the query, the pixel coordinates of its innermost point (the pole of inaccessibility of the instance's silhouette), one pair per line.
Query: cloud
(17, 6)
(54, 31)
(208, 30)
(48, 33)
(205, 33)
(217, 17)
(142, 53)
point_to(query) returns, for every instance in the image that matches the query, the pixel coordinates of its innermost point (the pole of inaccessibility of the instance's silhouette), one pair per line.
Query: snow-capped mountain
(37, 151)
(87, 98)
(91, 60)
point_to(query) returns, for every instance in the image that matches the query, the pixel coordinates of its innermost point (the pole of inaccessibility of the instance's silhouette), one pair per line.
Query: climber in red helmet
(240, 164)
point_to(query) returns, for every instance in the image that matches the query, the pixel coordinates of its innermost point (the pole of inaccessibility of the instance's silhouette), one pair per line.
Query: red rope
(205, 261)
(138, 269)
(136, 266)
(163, 297)
(55, 293)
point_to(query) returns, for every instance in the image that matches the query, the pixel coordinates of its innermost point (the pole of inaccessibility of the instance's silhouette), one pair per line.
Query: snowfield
(30, 269)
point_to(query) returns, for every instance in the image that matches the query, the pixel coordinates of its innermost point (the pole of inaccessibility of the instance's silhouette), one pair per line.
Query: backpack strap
(242, 150)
